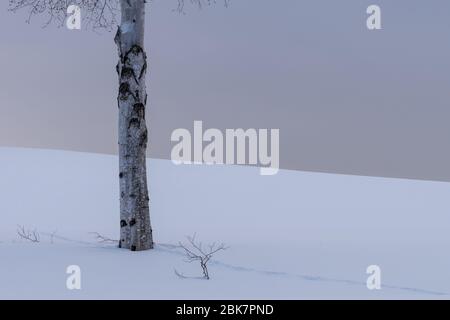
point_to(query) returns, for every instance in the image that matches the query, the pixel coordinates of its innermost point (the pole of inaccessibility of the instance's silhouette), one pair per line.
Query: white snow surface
(294, 235)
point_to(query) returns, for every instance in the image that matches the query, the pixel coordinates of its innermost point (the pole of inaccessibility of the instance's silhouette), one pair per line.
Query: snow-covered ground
(295, 235)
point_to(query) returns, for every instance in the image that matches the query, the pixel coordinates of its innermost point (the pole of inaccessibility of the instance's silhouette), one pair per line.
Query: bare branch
(26, 234)
(99, 14)
(102, 239)
(199, 3)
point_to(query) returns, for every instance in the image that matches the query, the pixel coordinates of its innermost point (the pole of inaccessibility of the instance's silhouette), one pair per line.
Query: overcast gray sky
(346, 99)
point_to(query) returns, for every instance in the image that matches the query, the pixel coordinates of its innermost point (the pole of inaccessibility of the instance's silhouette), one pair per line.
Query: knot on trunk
(124, 91)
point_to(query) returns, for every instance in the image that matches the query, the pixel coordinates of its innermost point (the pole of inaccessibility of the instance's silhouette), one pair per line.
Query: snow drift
(294, 235)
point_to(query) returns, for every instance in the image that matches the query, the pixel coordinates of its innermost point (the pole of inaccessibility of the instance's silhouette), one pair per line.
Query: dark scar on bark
(123, 223)
(133, 122)
(124, 90)
(127, 72)
(139, 109)
(144, 68)
(143, 138)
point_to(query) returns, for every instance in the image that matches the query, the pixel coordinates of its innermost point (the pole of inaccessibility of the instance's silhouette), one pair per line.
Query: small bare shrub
(196, 251)
(27, 234)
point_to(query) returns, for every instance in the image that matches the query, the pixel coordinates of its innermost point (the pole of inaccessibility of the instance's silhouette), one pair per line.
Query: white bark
(135, 227)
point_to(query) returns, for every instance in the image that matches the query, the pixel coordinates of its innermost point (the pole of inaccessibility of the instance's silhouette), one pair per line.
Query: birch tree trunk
(135, 227)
